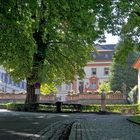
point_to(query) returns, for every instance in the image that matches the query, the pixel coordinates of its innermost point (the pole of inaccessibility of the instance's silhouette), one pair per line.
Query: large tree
(123, 74)
(50, 40)
(130, 30)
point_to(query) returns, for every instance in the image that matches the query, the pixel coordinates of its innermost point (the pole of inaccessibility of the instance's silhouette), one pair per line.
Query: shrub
(22, 107)
(15, 106)
(104, 86)
(135, 109)
(121, 108)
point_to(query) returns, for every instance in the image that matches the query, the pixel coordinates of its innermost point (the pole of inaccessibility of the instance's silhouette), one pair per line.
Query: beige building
(96, 71)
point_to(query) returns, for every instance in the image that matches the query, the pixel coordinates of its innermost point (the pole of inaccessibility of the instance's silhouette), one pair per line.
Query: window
(25, 85)
(93, 71)
(2, 77)
(106, 71)
(10, 81)
(22, 85)
(68, 86)
(5, 78)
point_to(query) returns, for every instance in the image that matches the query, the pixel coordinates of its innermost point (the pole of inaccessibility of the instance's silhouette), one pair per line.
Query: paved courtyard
(79, 126)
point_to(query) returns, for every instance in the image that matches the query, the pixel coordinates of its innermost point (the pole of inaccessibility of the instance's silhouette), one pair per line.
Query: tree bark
(31, 97)
(38, 61)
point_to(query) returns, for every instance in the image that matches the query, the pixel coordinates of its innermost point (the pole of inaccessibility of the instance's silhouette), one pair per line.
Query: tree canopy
(130, 30)
(50, 40)
(59, 34)
(123, 73)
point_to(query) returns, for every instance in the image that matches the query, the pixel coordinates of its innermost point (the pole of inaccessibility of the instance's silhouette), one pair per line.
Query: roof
(104, 52)
(136, 65)
(106, 47)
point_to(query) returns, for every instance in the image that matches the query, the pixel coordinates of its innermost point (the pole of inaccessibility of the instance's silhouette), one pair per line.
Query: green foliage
(104, 86)
(47, 89)
(22, 107)
(123, 73)
(50, 107)
(47, 40)
(50, 41)
(121, 108)
(130, 31)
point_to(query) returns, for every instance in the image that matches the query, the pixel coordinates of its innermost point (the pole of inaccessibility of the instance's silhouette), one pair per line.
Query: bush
(45, 107)
(104, 86)
(15, 106)
(135, 109)
(22, 107)
(3, 106)
(121, 108)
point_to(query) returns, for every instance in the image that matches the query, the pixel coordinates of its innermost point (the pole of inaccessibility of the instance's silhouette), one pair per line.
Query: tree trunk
(31, 97)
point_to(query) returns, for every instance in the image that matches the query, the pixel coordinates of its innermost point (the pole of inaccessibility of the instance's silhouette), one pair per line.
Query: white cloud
(111, 39)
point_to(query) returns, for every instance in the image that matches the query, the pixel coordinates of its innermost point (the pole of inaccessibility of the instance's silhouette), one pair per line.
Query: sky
(111, 39)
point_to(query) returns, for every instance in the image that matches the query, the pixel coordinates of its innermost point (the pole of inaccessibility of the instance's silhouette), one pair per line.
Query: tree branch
(137, 13)
(64, 57)
(57, 42)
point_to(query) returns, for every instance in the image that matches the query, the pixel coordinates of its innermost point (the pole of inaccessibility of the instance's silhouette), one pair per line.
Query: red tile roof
(136, 65)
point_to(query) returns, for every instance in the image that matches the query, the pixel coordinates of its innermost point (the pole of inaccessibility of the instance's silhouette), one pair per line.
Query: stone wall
(96, 98)
(78, 99)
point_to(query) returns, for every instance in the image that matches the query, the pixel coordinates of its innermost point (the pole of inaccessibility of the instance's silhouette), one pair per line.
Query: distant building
(8, 85)
(96, 71)
(137, 66)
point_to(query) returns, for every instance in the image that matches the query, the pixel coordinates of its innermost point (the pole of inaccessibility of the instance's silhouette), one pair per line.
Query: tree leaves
(123, 72)
(49, 40)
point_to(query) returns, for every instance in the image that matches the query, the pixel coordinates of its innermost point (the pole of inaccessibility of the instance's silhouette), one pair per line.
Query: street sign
(37, 88)
(37, 85)
(37, 91)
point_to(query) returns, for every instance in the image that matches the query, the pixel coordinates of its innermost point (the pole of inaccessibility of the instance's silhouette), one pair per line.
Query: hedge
(133, 109)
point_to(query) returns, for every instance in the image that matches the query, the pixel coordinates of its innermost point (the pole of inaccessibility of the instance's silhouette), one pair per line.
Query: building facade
(7, 85)
(96, 71)
(137, 66)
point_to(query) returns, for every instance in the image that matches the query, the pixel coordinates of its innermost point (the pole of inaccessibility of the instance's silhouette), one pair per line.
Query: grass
(135, 119)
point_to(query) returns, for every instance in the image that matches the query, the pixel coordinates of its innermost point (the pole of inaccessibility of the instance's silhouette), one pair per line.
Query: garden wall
(84, 99)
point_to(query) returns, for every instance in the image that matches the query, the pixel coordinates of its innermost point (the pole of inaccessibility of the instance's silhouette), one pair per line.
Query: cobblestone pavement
(79, 126)
(104, 127)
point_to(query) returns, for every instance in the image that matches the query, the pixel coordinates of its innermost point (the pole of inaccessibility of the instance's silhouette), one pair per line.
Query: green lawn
(135, 118)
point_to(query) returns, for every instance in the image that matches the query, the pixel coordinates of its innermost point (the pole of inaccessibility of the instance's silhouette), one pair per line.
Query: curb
(133, 122)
